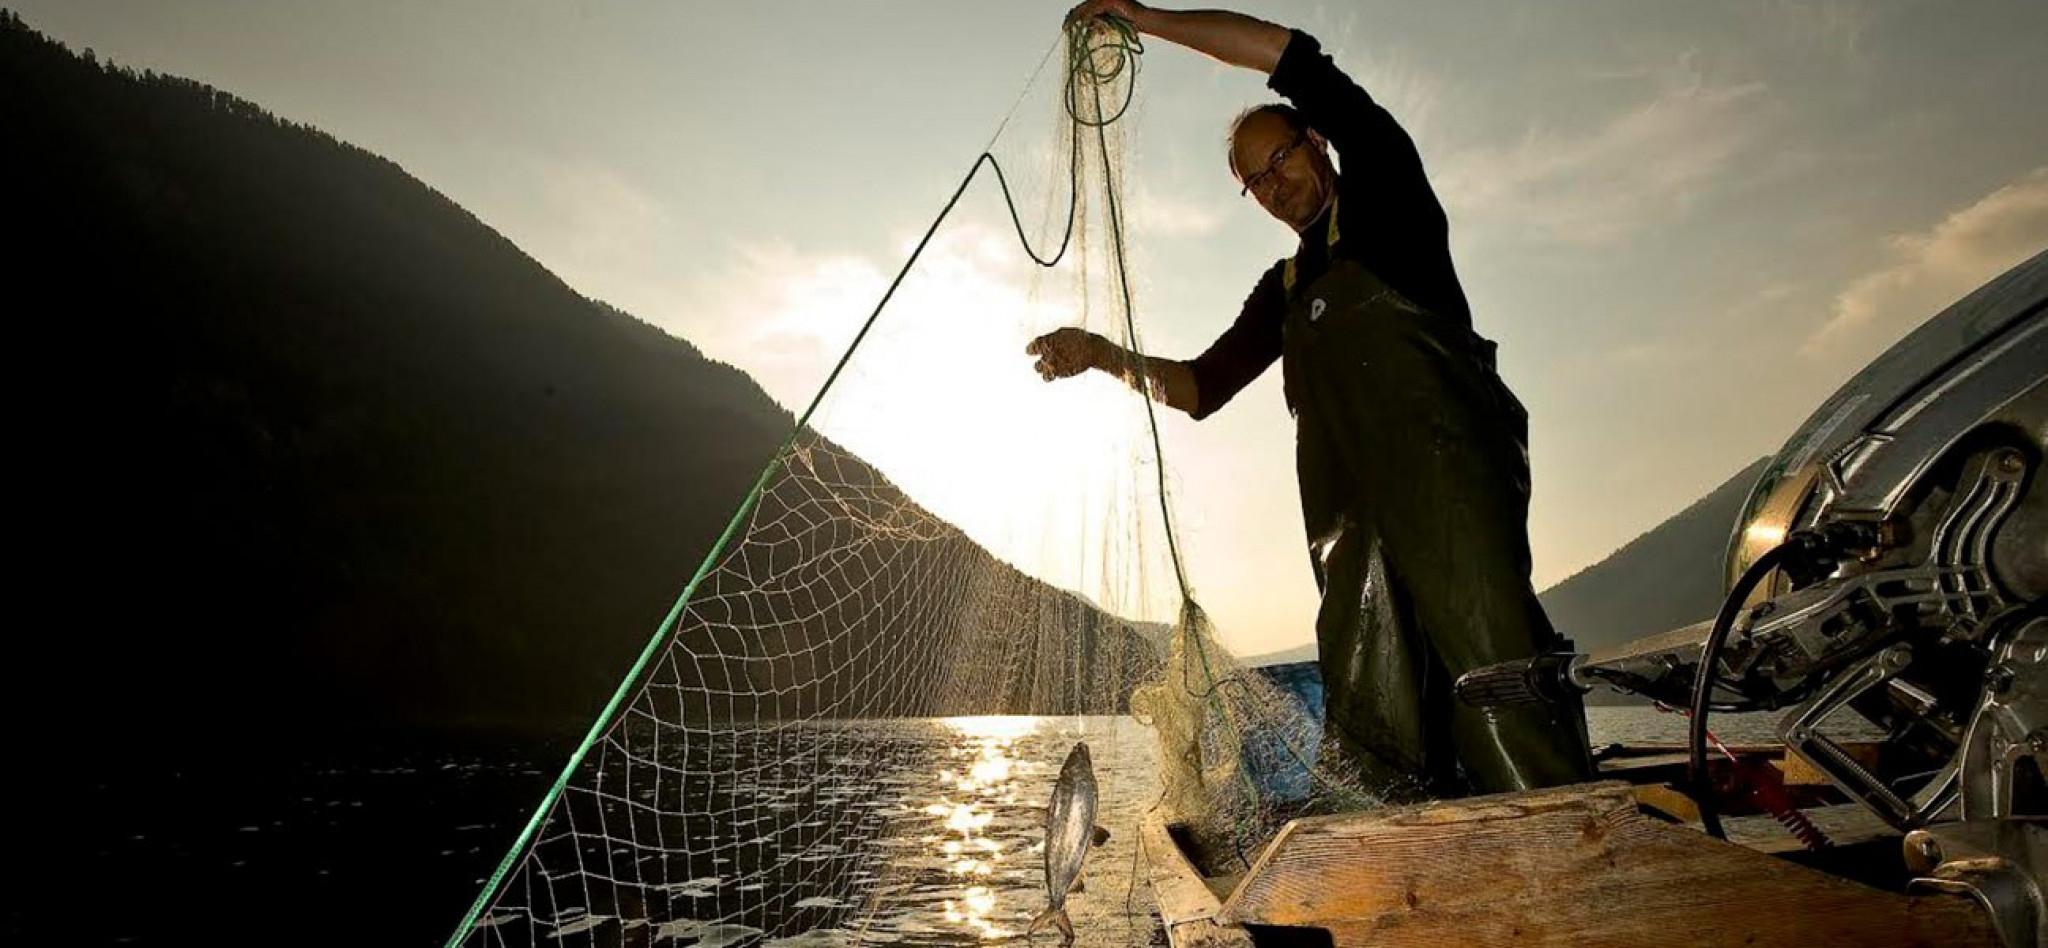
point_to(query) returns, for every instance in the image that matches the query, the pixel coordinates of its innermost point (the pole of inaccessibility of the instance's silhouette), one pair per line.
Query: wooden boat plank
(1567, 866)
(1186, 904)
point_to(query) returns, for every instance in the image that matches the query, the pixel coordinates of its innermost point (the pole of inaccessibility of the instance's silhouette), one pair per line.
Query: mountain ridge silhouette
(315, 446)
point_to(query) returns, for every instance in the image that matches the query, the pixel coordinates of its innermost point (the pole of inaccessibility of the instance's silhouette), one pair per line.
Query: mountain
(1671, 576)
(1286, 656)
(301, 443)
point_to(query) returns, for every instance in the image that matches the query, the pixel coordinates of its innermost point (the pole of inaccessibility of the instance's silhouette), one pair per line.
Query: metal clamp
(1995, 862)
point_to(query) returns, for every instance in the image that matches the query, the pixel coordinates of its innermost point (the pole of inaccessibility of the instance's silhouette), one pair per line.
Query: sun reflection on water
(971, 796)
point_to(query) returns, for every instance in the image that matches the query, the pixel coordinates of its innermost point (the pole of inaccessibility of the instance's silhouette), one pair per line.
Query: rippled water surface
(386, 843)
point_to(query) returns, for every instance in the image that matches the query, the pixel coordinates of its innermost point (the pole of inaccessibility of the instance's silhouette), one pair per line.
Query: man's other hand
(1064, 353)
(1125, 10)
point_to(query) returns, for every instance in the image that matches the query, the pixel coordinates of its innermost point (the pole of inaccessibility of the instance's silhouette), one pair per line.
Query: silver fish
(1069, 830)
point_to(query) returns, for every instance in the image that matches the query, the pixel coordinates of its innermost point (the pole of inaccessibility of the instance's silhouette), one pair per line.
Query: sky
(1685, 224)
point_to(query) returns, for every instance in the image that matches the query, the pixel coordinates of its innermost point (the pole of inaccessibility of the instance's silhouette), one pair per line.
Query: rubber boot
(1374, 676)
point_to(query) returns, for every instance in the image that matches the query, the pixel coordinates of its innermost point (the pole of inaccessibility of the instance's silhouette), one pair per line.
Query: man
(1410, 452)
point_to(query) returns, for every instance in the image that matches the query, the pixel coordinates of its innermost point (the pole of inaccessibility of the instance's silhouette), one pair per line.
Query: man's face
(1288, 172)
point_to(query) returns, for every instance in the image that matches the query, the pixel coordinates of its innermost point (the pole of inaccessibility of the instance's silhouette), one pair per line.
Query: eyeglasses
(1279, 157)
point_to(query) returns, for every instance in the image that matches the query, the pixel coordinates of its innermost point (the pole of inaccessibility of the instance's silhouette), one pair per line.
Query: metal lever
(1543, 680)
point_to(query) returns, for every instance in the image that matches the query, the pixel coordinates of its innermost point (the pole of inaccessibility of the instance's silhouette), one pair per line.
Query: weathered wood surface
(1801, 773)
(1573, 866)
(1186, 905)
(1669, 801)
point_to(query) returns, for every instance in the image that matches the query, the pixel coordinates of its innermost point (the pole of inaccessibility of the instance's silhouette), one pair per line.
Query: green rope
(1085, 46)
(1125, 49)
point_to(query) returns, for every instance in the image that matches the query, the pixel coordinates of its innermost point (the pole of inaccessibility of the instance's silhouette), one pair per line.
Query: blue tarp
(1281, 768)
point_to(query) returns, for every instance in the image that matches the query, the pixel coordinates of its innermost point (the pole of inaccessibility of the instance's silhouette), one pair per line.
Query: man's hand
(1064, 353)
(1126, 10)
(1231, 37)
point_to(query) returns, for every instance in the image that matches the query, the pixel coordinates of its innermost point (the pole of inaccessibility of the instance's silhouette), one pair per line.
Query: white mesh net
(846, 732)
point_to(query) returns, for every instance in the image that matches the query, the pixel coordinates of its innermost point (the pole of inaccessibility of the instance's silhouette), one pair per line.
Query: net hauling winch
(1891, 563)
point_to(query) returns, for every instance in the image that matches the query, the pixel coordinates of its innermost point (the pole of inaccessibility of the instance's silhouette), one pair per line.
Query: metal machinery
(1892, 563)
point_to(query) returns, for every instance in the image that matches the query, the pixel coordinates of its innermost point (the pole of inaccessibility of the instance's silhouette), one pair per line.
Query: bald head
(1284, 163)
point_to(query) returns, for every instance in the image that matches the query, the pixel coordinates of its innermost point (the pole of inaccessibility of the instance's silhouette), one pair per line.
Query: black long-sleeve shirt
(1391, 223)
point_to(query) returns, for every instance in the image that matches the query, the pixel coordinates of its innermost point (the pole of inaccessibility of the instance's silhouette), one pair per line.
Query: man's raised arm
(1231, 37)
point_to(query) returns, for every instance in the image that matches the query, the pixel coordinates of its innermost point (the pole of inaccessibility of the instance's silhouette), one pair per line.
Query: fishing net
(845, 729)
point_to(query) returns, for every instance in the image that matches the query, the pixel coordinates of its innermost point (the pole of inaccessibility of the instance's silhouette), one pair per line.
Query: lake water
(388, 842)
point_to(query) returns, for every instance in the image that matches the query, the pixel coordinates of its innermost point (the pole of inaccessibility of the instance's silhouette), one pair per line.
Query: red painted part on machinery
(1770, 794)
(1767, 787)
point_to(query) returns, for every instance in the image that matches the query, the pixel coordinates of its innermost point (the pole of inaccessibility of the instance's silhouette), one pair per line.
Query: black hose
(1703, 685)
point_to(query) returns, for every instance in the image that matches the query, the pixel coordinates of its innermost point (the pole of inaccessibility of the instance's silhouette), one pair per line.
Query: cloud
(595, 217)
(1645, 166)
(1158, 214)
(1831, 29)
(604, 234)
(941, 397)
(1931, 269)
(785, 317)
(1391, 73)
